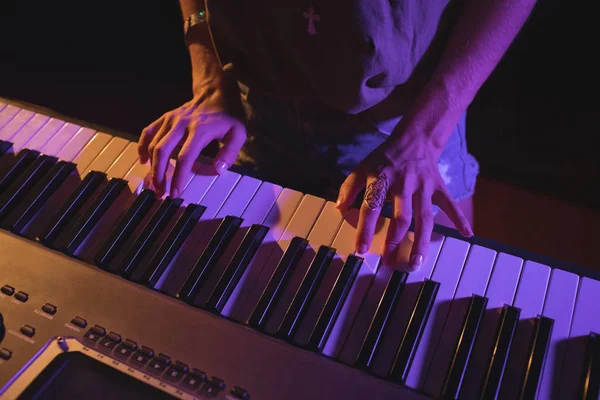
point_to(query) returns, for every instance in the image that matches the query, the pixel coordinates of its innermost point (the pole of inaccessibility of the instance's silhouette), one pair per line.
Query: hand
(414, 184)
(208, 116)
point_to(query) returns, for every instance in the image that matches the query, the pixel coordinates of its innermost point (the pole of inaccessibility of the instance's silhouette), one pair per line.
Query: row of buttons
(157, 364)
(22, 296)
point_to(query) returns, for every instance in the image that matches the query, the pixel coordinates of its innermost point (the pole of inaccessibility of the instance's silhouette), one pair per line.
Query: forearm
(206, 68)
(480, 38)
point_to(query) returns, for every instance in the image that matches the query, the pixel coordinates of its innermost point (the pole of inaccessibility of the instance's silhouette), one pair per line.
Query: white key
(344, 242)
(244, 296)
(2, 105)
(43, 136)
(500, 291)
(8, 114)
(300, 225)
(322, 233)
(124, 161)
(76, 144)
(106, 158)
(177, 272)
(559, 304)
(474, 280)
(27, 132)
(368, 308)
(586, 318)
(62, 137)
(15, 124)
(530, 299)
(202, 179)
(90, 152)
(399, 319)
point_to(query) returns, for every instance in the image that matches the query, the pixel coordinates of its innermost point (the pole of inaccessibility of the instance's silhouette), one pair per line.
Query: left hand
(414, 184)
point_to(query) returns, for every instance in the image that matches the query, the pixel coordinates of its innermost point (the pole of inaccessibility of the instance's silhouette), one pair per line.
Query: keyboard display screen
(77, 376)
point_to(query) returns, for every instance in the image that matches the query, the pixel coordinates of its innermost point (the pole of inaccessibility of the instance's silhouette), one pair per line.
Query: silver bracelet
(192, 20)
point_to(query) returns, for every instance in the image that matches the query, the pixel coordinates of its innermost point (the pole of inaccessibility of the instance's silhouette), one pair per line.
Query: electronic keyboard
(245, 289)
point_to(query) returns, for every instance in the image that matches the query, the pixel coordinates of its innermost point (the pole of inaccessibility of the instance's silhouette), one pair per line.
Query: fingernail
(416, 260)
(175, 193)
(221, 166)
(363, 248)
(468, 230)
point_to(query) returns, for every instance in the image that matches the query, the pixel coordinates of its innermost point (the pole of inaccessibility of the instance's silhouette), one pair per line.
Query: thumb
(232, 144)
(351, 187)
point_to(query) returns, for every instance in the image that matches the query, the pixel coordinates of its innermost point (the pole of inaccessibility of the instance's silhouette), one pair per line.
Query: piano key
(92, 214)
(13, 195)
(148, 236)
(463, 348)
(586, 319)
(334, 303)
(246, 295)
(17, 122)
(306, 292)
(174, 277)
(385, 308)
(2, 105)
(590, 381)
(43, 136)
(141, 206)
(28, 131)
(107, 156)
(507, 325)
(500, 291)
(71, 150)
(414, 331)
(38, 195)
(73, 203)
(5, 147)
(163, 257)
(209, 258)
(535, 358)
(344, 244)
(19, 164)
(316, 220)
(232, 274)
(7, 114)
(530, 299)
(274, 289)
(558, 305)
(235, 205)
(382, 362)
(60, 139)
(474, 280)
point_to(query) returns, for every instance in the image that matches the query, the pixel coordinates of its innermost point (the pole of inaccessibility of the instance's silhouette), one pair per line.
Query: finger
(423, 228)
(398, 228)
(444, 200)
(188, 154)
(162, 153)
(354, 183)
(233, 141)
(146, 138)
(162, 132)
(369, 212)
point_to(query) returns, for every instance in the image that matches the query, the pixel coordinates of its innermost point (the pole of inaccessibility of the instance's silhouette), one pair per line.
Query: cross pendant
(313, 17)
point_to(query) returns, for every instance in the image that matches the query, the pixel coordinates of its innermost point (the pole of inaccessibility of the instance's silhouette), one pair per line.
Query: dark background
(122, 64)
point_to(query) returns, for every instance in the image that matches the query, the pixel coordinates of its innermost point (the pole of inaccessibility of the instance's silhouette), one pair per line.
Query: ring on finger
(376, 192)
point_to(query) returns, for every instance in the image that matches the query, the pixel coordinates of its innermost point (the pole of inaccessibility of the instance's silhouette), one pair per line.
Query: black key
(4, 147)
(236, 268)
(464, 345)
(335, 302)
(385, 309)
(311, 281)
(125, 227)
(504, 336)
(37, 196)
(538, 348)
(171, 245)
(209, 258)
(149, 234)
(21, 162)
(590, 383)
(274, 289)
(90, 216)
(16, 192)
(412, 335)
(72, 205)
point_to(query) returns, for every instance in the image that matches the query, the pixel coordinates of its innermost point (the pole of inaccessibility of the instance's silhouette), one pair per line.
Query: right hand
(210, 115)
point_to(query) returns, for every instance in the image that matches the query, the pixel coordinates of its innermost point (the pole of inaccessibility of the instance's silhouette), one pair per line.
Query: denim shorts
(312, 148)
